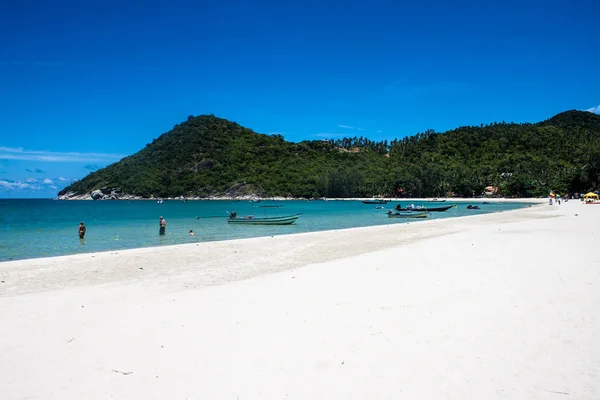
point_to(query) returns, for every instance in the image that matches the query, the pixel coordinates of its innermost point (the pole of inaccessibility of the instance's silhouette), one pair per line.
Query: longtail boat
(424, 208)
(252, 220)
(407, 214)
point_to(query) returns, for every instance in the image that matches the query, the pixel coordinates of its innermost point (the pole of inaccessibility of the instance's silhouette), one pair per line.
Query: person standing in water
(81, 231)
(162, 226)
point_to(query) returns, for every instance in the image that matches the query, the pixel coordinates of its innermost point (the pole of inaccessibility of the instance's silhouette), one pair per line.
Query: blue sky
(83, 83)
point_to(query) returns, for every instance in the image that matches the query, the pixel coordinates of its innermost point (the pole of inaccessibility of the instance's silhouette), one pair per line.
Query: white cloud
(18, 153)
(28, 185)
(16, 185)
(595, 110)
(345, 126)
(62, 179)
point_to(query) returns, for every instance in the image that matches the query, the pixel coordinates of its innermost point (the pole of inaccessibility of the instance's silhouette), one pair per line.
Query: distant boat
(375, 201)
(407, 214)
(436, 201)
(424, 208)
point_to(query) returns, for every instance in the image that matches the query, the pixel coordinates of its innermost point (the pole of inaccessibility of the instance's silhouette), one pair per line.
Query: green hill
(209, 156)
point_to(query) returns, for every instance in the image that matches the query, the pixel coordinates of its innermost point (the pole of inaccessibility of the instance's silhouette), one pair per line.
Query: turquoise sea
(31, 228)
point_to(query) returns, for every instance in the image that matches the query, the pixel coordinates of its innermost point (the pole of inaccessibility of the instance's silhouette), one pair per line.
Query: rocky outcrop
(106, 194)
(98, 194)
(242, 191)
(74, 196)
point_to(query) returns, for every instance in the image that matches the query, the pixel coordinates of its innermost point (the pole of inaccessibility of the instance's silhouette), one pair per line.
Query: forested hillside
(209, 156)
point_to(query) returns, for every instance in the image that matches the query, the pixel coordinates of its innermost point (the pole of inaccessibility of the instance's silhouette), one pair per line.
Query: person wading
(162, 226)
(81, 231)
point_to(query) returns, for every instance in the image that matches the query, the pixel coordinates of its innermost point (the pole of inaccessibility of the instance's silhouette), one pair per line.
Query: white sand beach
(494, 306)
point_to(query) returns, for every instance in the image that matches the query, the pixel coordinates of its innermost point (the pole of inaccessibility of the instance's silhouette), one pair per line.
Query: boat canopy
(590, 195)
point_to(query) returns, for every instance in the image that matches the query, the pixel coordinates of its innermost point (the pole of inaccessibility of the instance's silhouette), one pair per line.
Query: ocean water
(31, 228)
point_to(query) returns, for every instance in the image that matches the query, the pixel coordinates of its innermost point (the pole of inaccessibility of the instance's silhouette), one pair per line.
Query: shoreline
(252, 197)
(495, 306)
(29, 252)
(225, 251)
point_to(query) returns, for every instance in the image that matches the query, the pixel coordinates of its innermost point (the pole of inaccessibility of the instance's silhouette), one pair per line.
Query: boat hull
(427, 209)
(374, 201)
(406, 214)
(250, 220)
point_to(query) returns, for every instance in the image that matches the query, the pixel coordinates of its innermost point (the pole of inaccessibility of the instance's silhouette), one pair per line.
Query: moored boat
(407, 214)
(375, 201)
(424, 208)
(252, 220)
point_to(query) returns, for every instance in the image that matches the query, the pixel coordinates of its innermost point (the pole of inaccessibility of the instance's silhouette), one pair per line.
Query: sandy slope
(483, 307)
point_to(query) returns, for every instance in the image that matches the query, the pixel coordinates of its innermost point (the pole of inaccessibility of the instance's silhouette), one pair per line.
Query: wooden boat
(424, 208)
(253, 220)
(436, 200)
(375, 201)
(407, 214)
